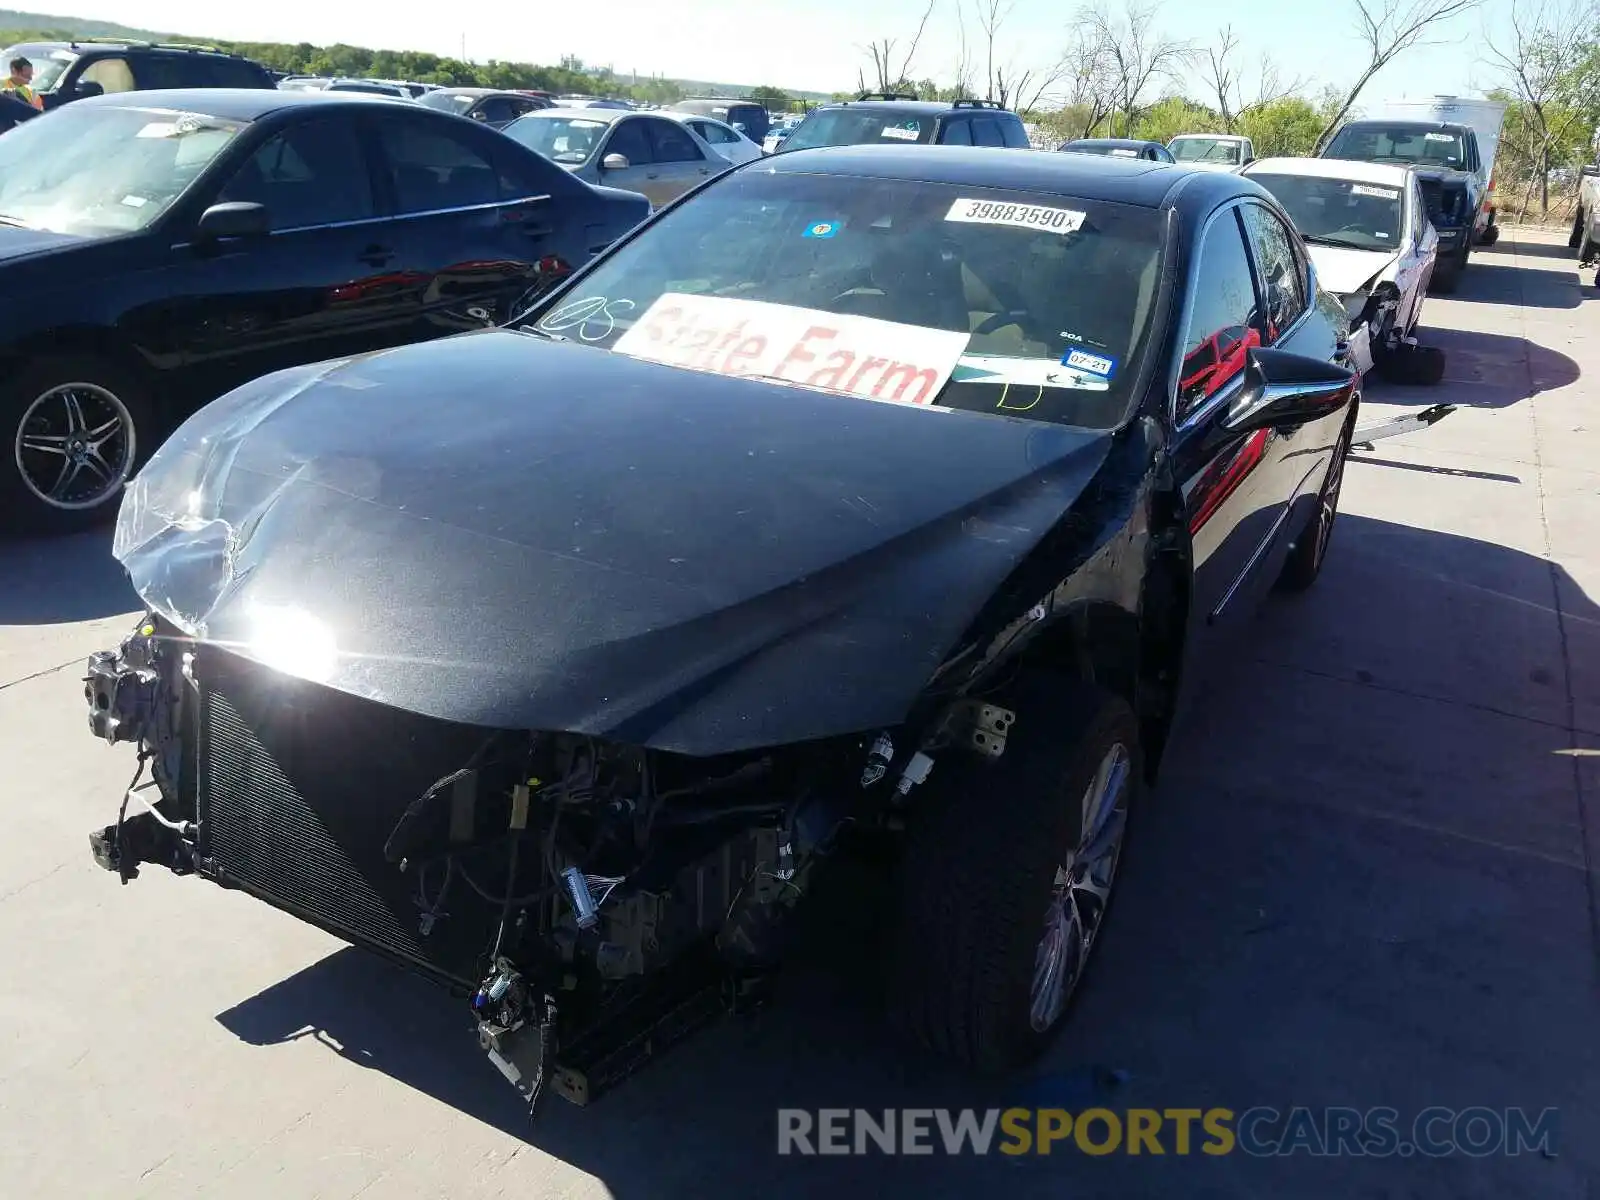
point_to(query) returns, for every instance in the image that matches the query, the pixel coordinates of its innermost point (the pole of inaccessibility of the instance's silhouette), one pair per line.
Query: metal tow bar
(1362, 439)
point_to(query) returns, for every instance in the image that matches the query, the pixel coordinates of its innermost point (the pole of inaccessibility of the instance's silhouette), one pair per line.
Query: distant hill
(13, 23)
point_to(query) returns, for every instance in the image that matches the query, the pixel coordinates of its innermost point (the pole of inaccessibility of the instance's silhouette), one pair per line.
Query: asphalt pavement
(1367, 879)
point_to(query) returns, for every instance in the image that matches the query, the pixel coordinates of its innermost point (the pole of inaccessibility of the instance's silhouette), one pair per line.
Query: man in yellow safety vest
(20, 83)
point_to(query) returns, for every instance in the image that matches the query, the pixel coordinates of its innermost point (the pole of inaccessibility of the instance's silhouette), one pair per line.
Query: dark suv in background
(66, 71)
(885, 118)
(1449, 168)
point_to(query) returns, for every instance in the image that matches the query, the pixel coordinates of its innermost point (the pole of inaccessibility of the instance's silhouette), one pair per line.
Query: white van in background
(1483, 117)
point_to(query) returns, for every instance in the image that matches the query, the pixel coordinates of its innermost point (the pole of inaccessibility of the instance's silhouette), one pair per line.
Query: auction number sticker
(1382, 193)
(1023, 216)
(1438, 137)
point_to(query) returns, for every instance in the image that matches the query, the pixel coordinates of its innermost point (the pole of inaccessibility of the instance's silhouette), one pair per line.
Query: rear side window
(234, 73)
(434, 168)
(986, 132)
(957, 133)
(1015, 135)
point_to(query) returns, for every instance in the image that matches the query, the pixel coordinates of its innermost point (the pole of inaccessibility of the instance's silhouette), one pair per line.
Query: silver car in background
(648, 153)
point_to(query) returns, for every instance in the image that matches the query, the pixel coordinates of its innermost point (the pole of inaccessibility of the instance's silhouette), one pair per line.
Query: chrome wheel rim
(75, 446)
(1081, 890)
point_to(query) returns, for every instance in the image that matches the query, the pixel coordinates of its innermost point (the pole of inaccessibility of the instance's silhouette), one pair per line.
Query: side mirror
(614, 162)
(1283, 389)
(1590, 170)
(89, 88)
(739, 125)
(235, 219)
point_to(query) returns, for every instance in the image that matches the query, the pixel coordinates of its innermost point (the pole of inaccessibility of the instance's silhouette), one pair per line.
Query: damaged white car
(1366, 226)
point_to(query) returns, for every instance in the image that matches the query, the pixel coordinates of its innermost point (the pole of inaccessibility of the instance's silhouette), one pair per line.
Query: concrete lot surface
(1367, 879)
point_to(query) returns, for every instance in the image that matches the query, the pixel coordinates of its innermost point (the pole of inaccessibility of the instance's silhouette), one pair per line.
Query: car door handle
(376, 256)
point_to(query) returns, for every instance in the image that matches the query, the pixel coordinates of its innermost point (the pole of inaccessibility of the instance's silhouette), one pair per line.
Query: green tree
(1288, 126)
(1167, 118)
(769, 97)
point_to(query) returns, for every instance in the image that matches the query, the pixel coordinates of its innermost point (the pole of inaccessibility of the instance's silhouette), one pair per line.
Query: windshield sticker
(1382, 193)
(1102, 365)
(1026, 372)
(135, 201)
(1023, 216)
(1438, 137)
(859, 356)
(158, 129)
(1122, 152)
(823, 229)
(901, 133)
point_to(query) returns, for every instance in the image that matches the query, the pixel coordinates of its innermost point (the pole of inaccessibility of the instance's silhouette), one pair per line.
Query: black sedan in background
(872, 488)
(159, 248)
(1119, 148)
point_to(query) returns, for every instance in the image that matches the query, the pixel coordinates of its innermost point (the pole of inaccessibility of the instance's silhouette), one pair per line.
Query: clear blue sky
(810, 44)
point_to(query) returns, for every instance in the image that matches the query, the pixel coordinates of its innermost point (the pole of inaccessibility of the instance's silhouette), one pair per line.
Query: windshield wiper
(543, 333)
(1318, 239)
(5, 219)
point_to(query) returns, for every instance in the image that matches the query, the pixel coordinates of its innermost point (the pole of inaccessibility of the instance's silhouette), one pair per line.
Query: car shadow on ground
(1329, 901)
(1509, 283)
(1484, 370)
(1557, 250)
(52, 581)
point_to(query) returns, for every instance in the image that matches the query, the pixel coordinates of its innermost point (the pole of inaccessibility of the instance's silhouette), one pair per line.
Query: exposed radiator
(299, 788)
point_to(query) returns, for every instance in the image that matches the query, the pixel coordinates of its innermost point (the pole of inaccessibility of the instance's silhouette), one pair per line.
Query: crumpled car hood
(508, 532)
(1344, 271)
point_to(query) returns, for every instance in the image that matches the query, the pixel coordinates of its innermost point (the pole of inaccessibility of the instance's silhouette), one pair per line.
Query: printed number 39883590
(1025, 216)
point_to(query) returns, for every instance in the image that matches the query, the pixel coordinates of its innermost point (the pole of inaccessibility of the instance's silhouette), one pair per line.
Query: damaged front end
(593, 902)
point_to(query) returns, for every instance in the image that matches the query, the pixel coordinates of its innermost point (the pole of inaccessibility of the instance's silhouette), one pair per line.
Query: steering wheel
(1000, 320)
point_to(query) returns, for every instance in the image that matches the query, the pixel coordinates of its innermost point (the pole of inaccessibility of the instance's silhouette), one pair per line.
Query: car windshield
(567, 140)
(855, 127)
(450, 102)
(1399, 144)
(1005, 302)
(1339, 212)
(95, 171)
(48, 62)
(1212, 150)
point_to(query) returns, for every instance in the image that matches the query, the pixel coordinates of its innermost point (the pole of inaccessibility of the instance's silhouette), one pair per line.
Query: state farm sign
(878, 360)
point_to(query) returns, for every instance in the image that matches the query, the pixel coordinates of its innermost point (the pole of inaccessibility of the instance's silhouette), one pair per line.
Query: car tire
(1446, 276)
(1303, 567)
(1491, 235)
(1576, 236)
(1586, 248)
(992, 944)
(83, 408)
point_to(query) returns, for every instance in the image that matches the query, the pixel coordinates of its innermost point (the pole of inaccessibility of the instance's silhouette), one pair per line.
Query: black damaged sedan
(864, 496)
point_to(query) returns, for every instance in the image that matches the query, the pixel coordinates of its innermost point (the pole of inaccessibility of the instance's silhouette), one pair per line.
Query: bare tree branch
(1138, 53)
(1547, 61)
(1388, 28)
(916, 40)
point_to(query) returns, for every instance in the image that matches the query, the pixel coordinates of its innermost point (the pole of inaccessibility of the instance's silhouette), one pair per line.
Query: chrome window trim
(383, 220)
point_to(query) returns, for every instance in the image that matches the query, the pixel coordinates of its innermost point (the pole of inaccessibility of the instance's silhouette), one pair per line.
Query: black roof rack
(976, 104)
(137, 44)
(887, 96)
